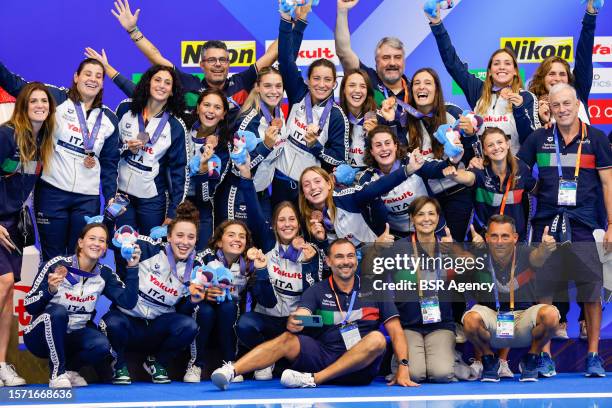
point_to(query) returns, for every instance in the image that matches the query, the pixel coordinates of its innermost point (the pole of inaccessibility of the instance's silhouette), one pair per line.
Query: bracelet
(133, 30)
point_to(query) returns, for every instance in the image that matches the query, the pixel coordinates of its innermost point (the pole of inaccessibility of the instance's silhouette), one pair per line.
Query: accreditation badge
(567, 192)
(430, 310)
(350, 335)
(505, 325)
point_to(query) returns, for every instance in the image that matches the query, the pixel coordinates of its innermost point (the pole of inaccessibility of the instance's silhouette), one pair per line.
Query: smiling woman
(84, 157)
(63, 300)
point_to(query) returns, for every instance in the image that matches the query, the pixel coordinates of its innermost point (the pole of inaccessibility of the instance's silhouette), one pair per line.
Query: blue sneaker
(546, 365)
(490, 368)
(529, 367)
(594, 366)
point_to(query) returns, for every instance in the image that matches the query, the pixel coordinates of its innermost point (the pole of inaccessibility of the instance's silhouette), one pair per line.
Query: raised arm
(126, 86)
(583, 69)
(128, 21)
(469, 84)
(347, 56)
(292, 77)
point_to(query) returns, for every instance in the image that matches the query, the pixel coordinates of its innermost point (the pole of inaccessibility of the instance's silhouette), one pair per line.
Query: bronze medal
(89, 161)
(143, 137)
(277, 122)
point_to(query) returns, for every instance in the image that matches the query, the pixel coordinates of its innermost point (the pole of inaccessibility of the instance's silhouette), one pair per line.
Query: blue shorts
(578, 262)
(315, 356)
(10, 261)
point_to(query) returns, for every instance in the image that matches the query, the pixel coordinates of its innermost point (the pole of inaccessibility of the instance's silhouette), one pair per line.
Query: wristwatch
(404, 362)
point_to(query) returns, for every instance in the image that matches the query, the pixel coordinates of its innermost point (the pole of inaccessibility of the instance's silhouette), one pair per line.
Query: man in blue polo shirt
(575, 183)
(388, 78)
(347, 350)
(507, 316)
(214, 62)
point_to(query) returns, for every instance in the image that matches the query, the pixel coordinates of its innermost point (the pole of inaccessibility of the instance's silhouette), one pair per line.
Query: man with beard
(388, 78)
(214, 61)
(347, 349)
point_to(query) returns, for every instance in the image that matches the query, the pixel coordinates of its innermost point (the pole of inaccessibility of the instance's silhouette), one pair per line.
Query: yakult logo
(602, 49)
(312, 50)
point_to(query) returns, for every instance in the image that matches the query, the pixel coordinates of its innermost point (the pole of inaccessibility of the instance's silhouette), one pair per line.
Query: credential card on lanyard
(505, 325)
(430, 309)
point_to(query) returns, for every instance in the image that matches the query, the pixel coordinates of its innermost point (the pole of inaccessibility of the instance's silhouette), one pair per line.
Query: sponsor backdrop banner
(44, 40)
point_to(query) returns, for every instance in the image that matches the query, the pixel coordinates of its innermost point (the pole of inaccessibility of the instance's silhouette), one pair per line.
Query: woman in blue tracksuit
(228, 247)
(383, 155)
(502, 185)
(554, 70)
(153, 165)
(499, 99)
(160, 322)
(330, 214)
(85, 157)
(317, 130)
(26, 146)
(261, 115)
(429, 112)
(209, 135)
(62, 303)
(293, 266)
(357, 100)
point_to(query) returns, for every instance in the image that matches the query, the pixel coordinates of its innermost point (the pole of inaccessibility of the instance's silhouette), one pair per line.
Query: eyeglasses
(214, 61)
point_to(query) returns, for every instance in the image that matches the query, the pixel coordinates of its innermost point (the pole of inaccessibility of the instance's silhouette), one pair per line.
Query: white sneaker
(504, 369)
(583, 330)
(1, 383)
(238, 379)
(75, 379)
(295, 379)
(9, 376)
(476, 368)
(459, 334)
(264, 374)
(61, 381)
(561, 332)
(223, 376)
(193, 374)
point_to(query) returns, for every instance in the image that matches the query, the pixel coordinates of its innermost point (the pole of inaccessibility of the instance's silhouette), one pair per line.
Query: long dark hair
(73, 92)
(223, 126)
(142, 92)
(368, 105)
(415, 131)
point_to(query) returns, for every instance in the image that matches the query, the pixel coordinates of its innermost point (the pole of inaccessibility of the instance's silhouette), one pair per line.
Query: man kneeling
(348, 349)
(497, 320)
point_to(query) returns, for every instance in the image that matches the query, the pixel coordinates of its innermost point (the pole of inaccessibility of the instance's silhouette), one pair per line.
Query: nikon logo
(536, 49)
(241, 53)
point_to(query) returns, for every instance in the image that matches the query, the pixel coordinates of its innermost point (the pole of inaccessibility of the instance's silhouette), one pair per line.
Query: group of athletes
(193, 180)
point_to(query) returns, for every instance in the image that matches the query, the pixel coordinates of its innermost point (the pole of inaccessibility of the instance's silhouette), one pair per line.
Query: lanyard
(326, 111)
(290, 254)
(89, 138)
(578, 155)
(356, 121)
(246, 267)
(266, 113)
(160, 127)
(505, 197)
(350, 309)
(417, 266)
(396, 165)
(172, 262)
(404, 86)
(511, 282)
(74, 270)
